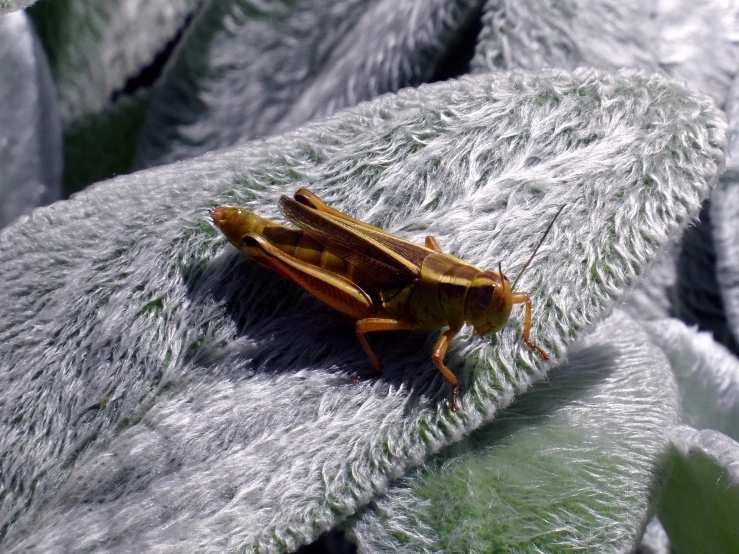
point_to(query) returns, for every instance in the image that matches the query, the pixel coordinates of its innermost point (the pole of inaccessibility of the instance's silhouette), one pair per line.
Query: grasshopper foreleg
(523, 298)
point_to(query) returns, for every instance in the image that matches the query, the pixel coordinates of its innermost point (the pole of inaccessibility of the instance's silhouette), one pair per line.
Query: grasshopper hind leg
(330, 288)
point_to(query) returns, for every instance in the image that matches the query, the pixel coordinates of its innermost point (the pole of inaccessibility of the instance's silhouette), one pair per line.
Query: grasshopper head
(488, 302)
(234, 223)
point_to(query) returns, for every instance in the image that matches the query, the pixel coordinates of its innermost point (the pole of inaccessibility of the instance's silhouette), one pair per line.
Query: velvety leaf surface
(655, 539)
(247, 69)
(703, 489)
(568, 467)
(30, 130)
(95, 47)
(104, 57)
(13, 5)
(697, 298)
(160, 393)
(654, 295)
(697, 41)
(725, 215)
(103, 145)
(706, 373)
(725, 218)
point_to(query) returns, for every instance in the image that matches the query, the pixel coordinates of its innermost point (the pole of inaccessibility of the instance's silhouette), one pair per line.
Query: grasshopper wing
(408, 250)
(387, 260)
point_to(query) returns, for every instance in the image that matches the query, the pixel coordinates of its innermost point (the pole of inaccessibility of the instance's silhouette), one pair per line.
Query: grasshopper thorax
(488, 302)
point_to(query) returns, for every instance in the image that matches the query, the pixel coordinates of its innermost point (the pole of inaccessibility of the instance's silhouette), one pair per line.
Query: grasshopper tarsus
(453, 405)
(365, 376)
(532, 346)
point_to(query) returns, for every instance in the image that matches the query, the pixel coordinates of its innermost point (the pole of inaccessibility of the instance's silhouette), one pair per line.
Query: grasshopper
(383, 282)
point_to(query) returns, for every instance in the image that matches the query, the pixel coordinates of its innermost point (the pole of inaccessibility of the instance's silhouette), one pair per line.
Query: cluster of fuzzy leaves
(146, 323)
(317, 63)
(160, 393)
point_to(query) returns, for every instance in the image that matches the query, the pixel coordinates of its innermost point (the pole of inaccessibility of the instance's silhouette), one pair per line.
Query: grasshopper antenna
(541, 241)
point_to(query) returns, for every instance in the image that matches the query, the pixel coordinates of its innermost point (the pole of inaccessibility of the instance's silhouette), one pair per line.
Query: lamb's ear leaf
(706, 373)
(89, 61)
(653, 297)
(534, 35)
(724, 215)
(30, 130)
(139, 350)
(569, 466)
(702, 489)
(103, 57)
(249, 69)
(610, 36)
(7, 6)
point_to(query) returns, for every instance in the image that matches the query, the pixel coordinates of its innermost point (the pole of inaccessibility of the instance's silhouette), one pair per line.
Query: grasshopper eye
(484, 296)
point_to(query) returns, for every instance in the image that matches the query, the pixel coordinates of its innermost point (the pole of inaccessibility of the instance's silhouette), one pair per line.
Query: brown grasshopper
(384, 282)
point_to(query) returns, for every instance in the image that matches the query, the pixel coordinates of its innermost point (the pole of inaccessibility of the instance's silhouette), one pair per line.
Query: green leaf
(725, 218)
(695, 41)
(95, 47)
(702, 488)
